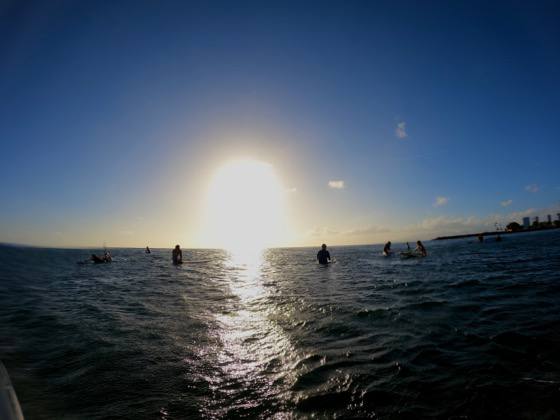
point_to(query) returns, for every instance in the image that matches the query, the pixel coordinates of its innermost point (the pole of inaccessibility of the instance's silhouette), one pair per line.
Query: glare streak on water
(471, 331)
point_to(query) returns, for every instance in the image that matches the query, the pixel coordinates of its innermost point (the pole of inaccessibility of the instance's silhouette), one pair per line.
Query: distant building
(536, 220)
(549, 217)
(526, 222)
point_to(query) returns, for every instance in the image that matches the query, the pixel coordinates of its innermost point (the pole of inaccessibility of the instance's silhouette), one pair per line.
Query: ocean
(471, 331)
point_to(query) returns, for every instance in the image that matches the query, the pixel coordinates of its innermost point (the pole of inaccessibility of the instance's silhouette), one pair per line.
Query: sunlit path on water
(254, 351)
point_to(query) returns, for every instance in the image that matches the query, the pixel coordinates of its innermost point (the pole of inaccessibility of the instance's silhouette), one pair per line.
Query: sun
(244, 209)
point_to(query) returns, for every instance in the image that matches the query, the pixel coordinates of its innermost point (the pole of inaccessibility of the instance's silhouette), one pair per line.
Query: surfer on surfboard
(106, 258)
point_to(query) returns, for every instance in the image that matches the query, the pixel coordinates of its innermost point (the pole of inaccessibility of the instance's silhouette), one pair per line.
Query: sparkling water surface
(471, 331)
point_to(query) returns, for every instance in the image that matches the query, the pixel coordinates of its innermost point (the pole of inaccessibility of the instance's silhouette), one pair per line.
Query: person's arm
(328, 255)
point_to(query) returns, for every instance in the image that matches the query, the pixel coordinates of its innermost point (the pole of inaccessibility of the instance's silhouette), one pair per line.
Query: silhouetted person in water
(480, 237)
(148, 250)
(323, 255)
(421, 249)
(407, 246)
(177, 255)
(498, 238)
(387, 248)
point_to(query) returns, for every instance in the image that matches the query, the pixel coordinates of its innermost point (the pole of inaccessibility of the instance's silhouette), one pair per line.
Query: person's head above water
(418, 243)
(177, 247)
(324, 246)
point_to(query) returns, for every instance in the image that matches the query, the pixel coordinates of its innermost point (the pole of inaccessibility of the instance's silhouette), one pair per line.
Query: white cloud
(336, 184)
(441, 201)
(322, 231)
(518, 215)
(328, 232)
(533, 188)
(506, 203)
(366, 231)
(450, 223)
(456, 224)
(400, 131)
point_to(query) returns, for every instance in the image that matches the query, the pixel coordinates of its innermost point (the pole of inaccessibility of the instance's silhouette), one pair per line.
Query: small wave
(374, 313)
(431, 304)
(323, 373)
(466, 283)
(326, 401)
(310, 360)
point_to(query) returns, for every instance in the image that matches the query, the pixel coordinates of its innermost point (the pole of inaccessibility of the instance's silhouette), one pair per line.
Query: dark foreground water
(471, 331)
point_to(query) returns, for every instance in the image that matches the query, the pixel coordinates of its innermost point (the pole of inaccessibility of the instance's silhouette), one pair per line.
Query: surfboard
(410, 254)
(9, 404)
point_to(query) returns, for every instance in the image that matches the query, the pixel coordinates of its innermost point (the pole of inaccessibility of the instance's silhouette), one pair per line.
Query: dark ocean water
(471, 331)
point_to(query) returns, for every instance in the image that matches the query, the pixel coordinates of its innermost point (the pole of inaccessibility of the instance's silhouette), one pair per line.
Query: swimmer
(177, 255)
(323, 256)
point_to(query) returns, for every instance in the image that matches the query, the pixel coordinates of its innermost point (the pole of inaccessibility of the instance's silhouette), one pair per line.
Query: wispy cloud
(370, 230)
(506, 203)
(400, 131)
(450, 223)
(325, 231)
(457, 224)
(322, 231)
(441, 201)
(291, 190)
(532, 188)
(518, 215)
(337, 184)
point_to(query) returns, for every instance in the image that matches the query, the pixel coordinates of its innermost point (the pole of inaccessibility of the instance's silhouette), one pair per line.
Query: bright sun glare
(244, 207)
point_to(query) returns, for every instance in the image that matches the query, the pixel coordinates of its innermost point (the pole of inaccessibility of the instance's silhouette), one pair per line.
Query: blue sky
(114, 115)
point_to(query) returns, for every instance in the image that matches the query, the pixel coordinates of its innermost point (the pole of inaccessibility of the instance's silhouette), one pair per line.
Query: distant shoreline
(494, 233)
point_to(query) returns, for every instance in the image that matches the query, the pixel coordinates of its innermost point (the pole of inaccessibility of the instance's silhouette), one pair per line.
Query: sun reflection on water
(254, 348)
